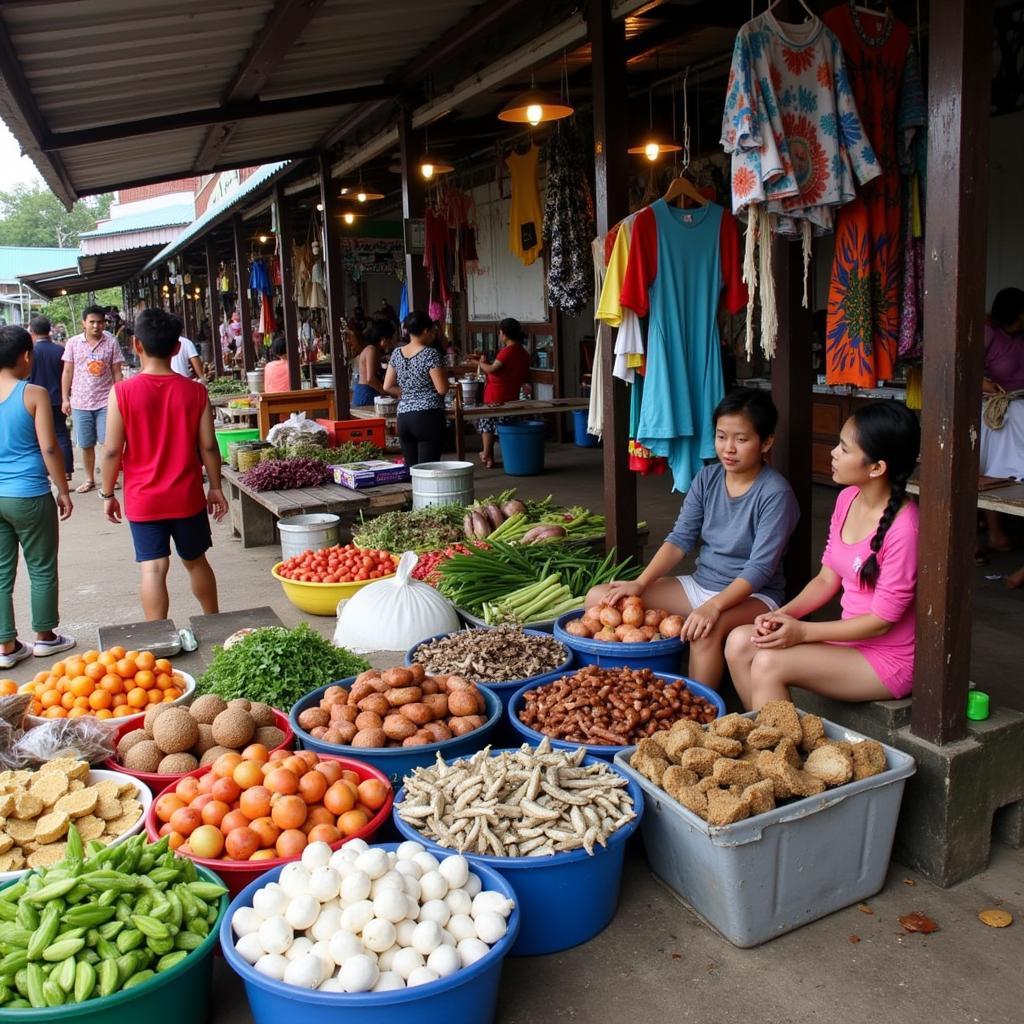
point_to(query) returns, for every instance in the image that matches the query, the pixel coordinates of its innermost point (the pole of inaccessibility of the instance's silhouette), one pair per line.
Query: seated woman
(370, 383)
(275, 373)
(743, 512)
(505, 376)
(871, 555)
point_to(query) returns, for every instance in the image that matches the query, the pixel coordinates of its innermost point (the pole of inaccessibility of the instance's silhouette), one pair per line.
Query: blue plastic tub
(579, 424)
(469, 996)
(658, 655)
(522, 447)
(606, 753)
(397, 762)
(506, 689)
(567, 898)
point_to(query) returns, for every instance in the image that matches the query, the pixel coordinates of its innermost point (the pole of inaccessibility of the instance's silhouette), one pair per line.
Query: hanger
(810, 13)
(864, 9)
(682, 186)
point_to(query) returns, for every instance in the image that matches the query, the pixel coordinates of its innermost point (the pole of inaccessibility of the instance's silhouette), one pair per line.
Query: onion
(633, 615)
(607, 636)
(671, 626)
(592, 620)
(653, 617)
(610, 617)
(577, 628)
(633, 636)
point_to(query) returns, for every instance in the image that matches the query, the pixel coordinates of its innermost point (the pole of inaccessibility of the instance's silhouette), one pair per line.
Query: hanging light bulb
(319, 207)
(651, 151)
(348, 217)
(653, 146)
(534, 106)
(263, 239)
(427, 170)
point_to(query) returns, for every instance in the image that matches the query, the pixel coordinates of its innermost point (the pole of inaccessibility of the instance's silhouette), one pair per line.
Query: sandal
(85, 487)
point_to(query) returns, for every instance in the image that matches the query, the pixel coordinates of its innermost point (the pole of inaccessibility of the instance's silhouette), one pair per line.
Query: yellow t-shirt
(609, 307)
(525, 220)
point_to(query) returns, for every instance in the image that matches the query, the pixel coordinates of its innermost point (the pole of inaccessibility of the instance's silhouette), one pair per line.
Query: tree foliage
(30, 214)
(67, 309)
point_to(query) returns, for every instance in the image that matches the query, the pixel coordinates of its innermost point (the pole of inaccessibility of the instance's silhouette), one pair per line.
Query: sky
(14, 168)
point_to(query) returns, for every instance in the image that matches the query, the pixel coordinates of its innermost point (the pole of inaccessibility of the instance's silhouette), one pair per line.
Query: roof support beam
(242, 111)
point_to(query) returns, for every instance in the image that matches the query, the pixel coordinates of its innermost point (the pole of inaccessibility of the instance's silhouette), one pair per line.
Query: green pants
(32, 524)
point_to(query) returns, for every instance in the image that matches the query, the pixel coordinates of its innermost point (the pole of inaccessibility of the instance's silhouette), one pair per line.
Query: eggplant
(543, 532)
(467, 525)
(494, 515)
(510, 508)
(481, 527)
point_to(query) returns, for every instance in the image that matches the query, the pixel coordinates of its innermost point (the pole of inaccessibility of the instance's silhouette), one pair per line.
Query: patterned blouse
(418, 391)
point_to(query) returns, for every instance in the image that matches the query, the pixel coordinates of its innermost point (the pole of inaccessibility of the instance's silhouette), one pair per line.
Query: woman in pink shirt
(871, 555)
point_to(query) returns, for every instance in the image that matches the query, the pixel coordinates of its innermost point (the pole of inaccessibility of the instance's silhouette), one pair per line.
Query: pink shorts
(895, 670)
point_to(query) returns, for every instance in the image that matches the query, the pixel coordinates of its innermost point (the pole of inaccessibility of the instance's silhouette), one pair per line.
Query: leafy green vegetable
(226, 386)
(277, 666)
(424, 529)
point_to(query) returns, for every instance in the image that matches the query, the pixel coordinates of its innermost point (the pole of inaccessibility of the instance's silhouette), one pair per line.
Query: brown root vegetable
(346, 730)
(461, 726)
(398, 727)
(360, 691)
(463, 702)
(578, 628)
(418, 738)
(438, 731)
(621, 631)
(633, 615)
(317, 732)
(458, 683)
(510, 508)
(428, 686)
(370, 738)
(592, 619)
(418, 713)
(366, 720)
(404, 695)
(653, 616)
(376, 702)
(418, 673)
(438, 704)
(607, 635)
(398, 677)
(313, 717)
(610, 617)
(649, 632)
(339, 691)
(671, 626)
(494, 515)
(344, 713)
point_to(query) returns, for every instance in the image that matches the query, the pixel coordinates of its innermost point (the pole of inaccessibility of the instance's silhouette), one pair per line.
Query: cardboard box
(371, 473)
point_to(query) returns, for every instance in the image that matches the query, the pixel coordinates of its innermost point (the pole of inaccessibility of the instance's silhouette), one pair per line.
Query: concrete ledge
(962, 794)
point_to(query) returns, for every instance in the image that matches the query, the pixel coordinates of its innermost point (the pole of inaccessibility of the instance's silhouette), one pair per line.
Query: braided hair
(887, 431)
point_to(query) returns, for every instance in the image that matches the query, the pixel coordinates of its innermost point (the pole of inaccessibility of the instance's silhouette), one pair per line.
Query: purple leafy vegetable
(286, 474)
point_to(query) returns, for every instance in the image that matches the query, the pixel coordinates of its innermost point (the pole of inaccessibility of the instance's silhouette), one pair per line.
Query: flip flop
(84, 488)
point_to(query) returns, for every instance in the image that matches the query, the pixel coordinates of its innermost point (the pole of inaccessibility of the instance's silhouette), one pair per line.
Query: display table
(1008, 497)
(254, 514)
(530, 409)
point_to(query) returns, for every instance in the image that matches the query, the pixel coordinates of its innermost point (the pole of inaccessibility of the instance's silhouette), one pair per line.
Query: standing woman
(417, 377)
(871, 555)
(505, 376)
(369, 383)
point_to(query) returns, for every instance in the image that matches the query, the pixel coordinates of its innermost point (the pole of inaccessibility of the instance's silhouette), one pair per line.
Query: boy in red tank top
(160, 431)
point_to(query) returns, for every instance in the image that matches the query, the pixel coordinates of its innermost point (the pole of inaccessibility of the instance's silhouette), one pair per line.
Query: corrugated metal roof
(19, 260)
(163, 216)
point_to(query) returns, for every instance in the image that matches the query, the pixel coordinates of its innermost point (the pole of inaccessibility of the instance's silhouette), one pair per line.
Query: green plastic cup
(977, 706)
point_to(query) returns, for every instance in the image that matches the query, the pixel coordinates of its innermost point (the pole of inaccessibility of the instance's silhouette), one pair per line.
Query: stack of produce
(339, 564)
(174, 740)
(399, 707)
(492, 655)
(262, 807)
(423, 529)
(287, 474)
(363, 919)
(101, 921)
(738, 767)
(41, 809)
(513, 523)
(105, 684)
(278, 666)
(611, 706)
(628, 621)
(225, 386)
(530, 802)
(499, 583)
(428, 565)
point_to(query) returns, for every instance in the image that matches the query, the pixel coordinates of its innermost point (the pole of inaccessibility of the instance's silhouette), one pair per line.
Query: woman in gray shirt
(743, 512)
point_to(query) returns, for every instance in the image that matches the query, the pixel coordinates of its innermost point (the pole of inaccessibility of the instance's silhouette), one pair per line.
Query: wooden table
(1008, 498)
(254, 514)
(279, 405)
(531, 409)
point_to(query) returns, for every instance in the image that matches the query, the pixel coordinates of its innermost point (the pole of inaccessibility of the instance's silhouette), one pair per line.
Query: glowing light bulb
(344, 191)
(534, 113)
(651, 151)
(263, 239)
(361, 196)
(320, 207)
(427, 170)
(349, 218)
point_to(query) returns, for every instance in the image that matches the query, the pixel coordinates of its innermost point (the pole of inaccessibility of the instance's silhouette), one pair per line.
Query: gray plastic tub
(769, 874)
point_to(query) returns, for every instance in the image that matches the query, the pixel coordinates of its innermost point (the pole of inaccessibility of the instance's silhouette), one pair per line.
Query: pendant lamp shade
(653, 147)
(534, 107)
(431, 165)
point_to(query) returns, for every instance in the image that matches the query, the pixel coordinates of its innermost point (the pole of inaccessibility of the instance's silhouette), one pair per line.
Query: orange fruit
(254, 802)
(77, 712)
(103, 714)
(125, 668)
(74, 667)
(95, 671)
(111, 683)
(39, 677)
(107, 659)
(80, 702)
(90, 657)
(166, 804)
(56, 711)
(117, 652)
(56, 669)
(248, 773)
(232, 820)
(145, 679)
(123, 710)
(67, 700)
(162, 665)
(49, 698)
(153, 696)
(119, 699)
(167, 696)
(8, 687)
(81, 686)
(226, 764)
(99, 700)
(164, 681)
(145, 660)
(281, 780)
(137, 698)
(289, 812)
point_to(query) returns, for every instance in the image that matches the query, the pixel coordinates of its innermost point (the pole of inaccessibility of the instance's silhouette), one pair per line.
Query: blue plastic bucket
(567, 898)
(579, 424)
(469, 996)
(522, 447)
(658, 655)
(397, 762)
(606, 753)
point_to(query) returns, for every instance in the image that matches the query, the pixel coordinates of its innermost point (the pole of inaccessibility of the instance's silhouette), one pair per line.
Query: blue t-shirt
(742, 537)
(47, 368)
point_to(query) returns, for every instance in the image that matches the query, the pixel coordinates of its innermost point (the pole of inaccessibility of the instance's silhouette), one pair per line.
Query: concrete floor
(657, 960)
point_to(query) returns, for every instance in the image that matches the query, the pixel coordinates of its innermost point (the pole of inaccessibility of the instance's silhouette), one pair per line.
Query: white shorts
(698, 595)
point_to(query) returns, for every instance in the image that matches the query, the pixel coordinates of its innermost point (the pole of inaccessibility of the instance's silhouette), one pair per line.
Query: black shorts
(152, 539)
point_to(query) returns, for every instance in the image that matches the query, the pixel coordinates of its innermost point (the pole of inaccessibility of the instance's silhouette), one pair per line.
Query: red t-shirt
(163, 474)
(515, 368)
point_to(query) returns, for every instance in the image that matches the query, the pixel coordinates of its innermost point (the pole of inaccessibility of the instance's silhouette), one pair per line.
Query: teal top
(22, 470)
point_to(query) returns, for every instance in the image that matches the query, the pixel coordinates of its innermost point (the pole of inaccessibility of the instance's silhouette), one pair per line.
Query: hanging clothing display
(524, 226)
(301, 260)
(629, 347)
(268, 323)
(259, 279)
(863, 302)
(568, 222)
(436, 259)
(602, 338)
(316, 291)
(679, 262)
(792, 125)
(913, 145)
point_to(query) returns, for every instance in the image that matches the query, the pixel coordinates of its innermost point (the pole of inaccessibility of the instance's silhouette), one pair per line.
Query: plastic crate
(341, 431)
(774, 872)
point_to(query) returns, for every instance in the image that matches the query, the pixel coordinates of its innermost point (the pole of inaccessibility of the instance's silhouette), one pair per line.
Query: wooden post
(414, 205)
(334, 274)
(291, 319)
(213, 302)
(608, 76)
(792, 392)
(960, 42)
(244, 306)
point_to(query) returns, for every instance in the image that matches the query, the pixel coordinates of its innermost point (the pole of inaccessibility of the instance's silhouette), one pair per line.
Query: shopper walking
(47, 370)
(28, 513)
(92, 366)
(417, 377)
(160, 429)
(186, 361)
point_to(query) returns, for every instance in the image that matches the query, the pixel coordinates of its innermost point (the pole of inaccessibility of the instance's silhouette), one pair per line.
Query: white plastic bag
(394, 614)
(296, 429)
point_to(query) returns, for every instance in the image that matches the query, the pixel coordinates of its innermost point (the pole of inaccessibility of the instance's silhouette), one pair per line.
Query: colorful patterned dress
(863, 303)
